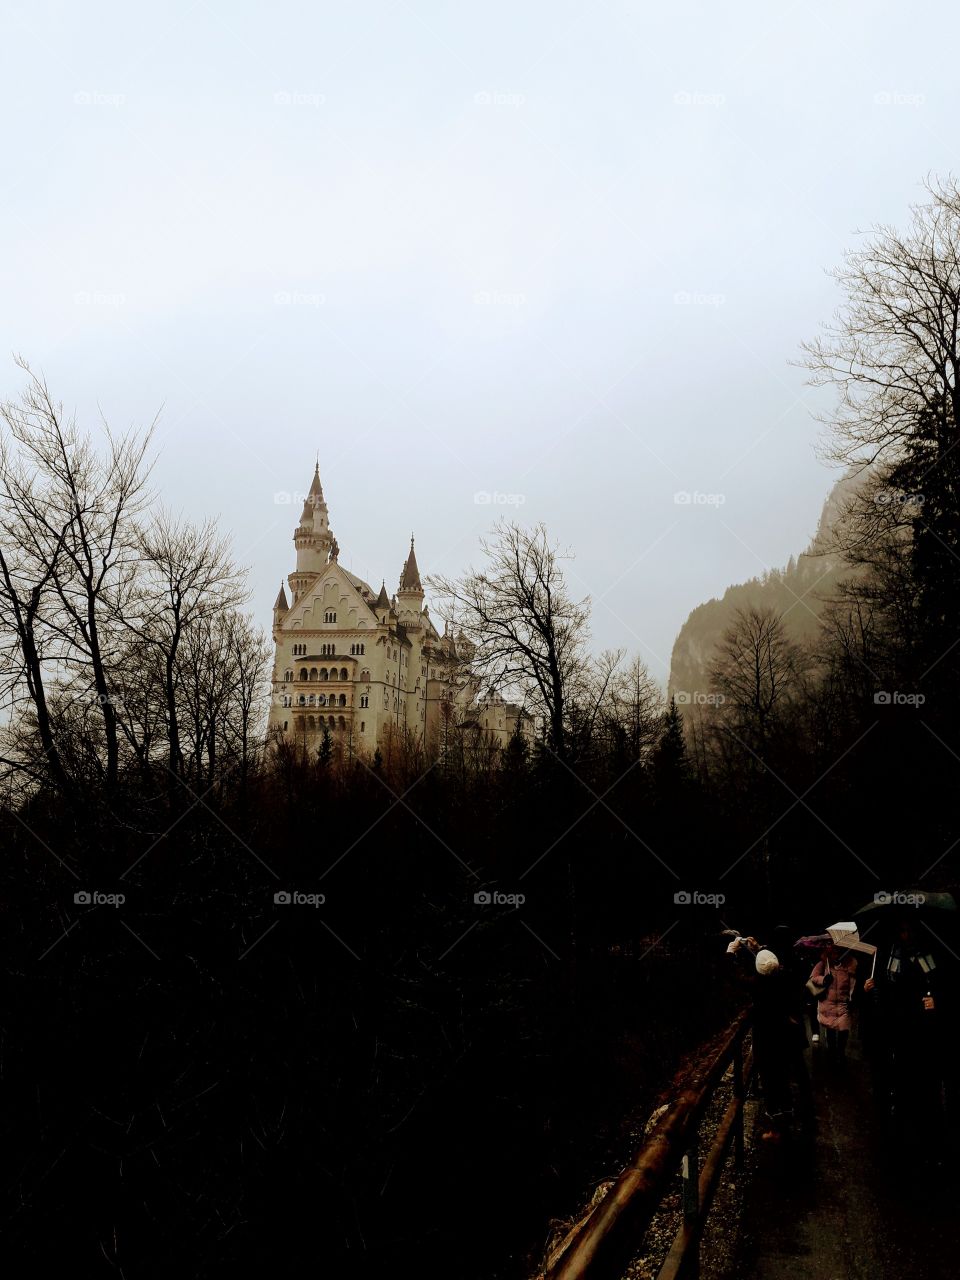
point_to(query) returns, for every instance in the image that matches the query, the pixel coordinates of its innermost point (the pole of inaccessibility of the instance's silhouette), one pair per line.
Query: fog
(549, 262)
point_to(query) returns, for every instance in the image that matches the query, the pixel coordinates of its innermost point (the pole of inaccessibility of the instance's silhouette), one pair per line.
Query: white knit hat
(767, 962)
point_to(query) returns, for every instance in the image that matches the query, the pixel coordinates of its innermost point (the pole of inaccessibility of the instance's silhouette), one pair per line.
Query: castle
(368, 668)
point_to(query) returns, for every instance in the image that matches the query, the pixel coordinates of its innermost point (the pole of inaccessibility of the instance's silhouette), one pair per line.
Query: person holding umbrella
(912, 998)
(836, 973)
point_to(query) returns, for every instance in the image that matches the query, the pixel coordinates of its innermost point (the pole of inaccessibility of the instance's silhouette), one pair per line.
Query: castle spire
(410, 578)
(281, 606)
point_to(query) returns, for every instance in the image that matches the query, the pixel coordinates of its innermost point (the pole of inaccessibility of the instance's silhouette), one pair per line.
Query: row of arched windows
(322, 674)
(321, 700)
(331, 723)
(315, 700)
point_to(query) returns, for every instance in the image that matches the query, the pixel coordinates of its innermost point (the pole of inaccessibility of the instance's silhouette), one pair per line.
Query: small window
(343, 699)
(344, 673)
(364, 700)
(363, 726)
(330, 615)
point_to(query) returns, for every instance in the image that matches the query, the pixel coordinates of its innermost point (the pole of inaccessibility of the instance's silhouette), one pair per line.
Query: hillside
(799, 592)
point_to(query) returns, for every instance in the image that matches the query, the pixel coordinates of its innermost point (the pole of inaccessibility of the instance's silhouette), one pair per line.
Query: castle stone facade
(366, 667)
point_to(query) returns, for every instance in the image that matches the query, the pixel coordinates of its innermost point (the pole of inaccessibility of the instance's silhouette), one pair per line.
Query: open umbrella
(846, 935)
(812, 942)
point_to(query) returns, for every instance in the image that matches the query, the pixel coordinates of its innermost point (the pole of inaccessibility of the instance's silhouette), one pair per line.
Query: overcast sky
(558, 255)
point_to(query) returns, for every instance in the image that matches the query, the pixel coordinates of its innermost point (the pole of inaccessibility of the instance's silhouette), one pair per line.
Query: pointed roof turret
(281, 606)
(410, 578)
(382, 601)
(314, 501)
(316, 488)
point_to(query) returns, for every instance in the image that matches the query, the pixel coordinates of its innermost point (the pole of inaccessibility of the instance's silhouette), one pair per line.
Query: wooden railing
(605, 1242)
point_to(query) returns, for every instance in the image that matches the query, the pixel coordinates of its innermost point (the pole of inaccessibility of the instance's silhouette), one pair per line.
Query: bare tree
(69, 510)
(757, 670)
(185, 571)
(893, 350)
(72, 510)
(635, 708)
(525, 631)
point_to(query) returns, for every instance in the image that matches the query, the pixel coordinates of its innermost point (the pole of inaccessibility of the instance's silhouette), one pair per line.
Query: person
(836, 970)
(778, 1043)
(910, 997)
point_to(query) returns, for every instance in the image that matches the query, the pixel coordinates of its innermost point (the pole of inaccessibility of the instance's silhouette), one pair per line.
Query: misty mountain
(799, 592)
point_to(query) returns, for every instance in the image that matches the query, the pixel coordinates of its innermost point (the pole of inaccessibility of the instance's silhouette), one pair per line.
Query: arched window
(288, 675)
(313, 673)
(344, 673)
(331, 722)
(286, 724)
(343, 699)
(301, 701)
(322, 699)
(364, 700)
(365, 675)
(333, 673)
(363, 726)
(330, 615)
(323, 673)
(312, 700)
(303, 673)
(343, 723)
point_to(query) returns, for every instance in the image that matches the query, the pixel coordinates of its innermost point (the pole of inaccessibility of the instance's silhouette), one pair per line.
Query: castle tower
(280, 611)
(410, 593)
(312, 538)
